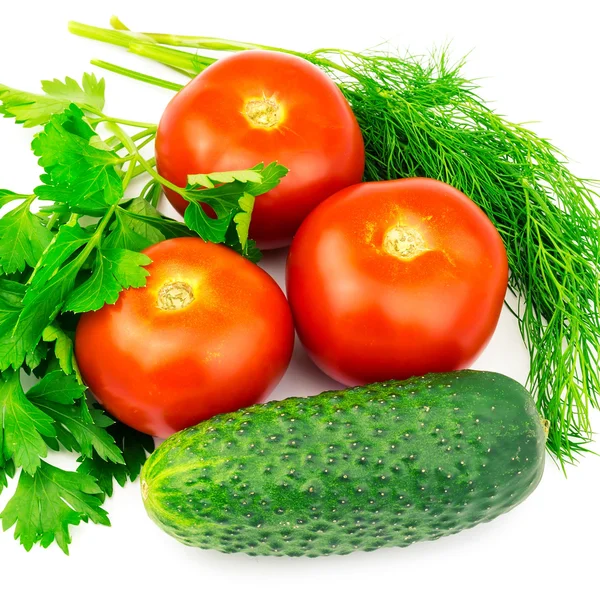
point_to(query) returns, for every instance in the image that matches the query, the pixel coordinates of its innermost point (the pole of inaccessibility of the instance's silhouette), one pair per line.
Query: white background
(538, 61)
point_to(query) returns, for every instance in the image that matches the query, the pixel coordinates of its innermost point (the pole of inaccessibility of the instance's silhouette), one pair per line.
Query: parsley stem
(142, 169)
(52, 221)
(151, 131)
(169, 85)
(129, 174)
(133, 149)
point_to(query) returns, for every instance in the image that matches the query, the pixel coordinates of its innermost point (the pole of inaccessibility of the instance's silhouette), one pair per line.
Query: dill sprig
(420, 117)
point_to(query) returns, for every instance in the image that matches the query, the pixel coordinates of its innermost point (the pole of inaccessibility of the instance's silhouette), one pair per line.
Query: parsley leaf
(50, 500)
(37, 109)
(23, 238)
(231, 195)
(22, 425)
(271, 176)
(209, 181)
(114, 269)
(242, 218)
(67, 241)
(89, 93)
(63, 349)
(124, 236)
(208, 228)
(78, 172)
(135, 447)
(56, 387)
(7, 196)
(7, 471)
(11, 293)
(22, 327)
(169, 228)
(141, 206)
(80, 428)
(21, 331)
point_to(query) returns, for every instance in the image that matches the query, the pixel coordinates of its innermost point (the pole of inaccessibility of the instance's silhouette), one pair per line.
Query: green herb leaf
(209, 181)
(78, 172)
(251, 252)
(242, 218)
(23, 239)
(36, 109)
(90, 93)
(63, 349)
(21, 331)
(141, 206)
(232, 201)
(114, 269)
(7, 196)
(34, 358)
(46, 503)
(271, 176)
(167, 227)
(135, 447)
(56, 387)
(67, 241)
(209, 229)
(124, 236)
(80, 428)
(7, 471)
(11, 292)
(22, 425)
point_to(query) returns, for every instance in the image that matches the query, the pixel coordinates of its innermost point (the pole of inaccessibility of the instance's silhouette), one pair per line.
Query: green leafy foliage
(23, 238)
(114, 270)
(7, 196)
(22, 426)
(56, 387)
(231, 196)
(7, 471)
(124, 236)
(48, 502)
(166, 227)
(63, 348)
(78, 171)
(144, 229)
(135, 447)
(36, 109)
(90, 93)
(71, 256)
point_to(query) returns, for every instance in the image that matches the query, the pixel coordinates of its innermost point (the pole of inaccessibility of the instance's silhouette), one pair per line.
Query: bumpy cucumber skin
(386, 464)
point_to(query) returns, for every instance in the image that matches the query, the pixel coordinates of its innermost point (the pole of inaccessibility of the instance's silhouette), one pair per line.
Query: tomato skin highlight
(160, 371)
(365, 314)
(205, 128)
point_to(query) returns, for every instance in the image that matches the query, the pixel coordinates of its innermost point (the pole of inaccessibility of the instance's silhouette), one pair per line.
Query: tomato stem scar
(174, 296)
(403, 242)
(263, 112)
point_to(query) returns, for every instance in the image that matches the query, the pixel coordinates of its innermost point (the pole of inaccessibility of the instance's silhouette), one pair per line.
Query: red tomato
(257, 106)
(210, 333)
(393, 279)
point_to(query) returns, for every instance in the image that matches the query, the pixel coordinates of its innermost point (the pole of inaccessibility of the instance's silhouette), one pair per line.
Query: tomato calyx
(175, 296)
(405, 243)
(264, 113)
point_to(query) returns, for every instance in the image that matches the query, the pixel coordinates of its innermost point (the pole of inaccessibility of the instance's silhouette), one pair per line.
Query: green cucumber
(386, 464)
